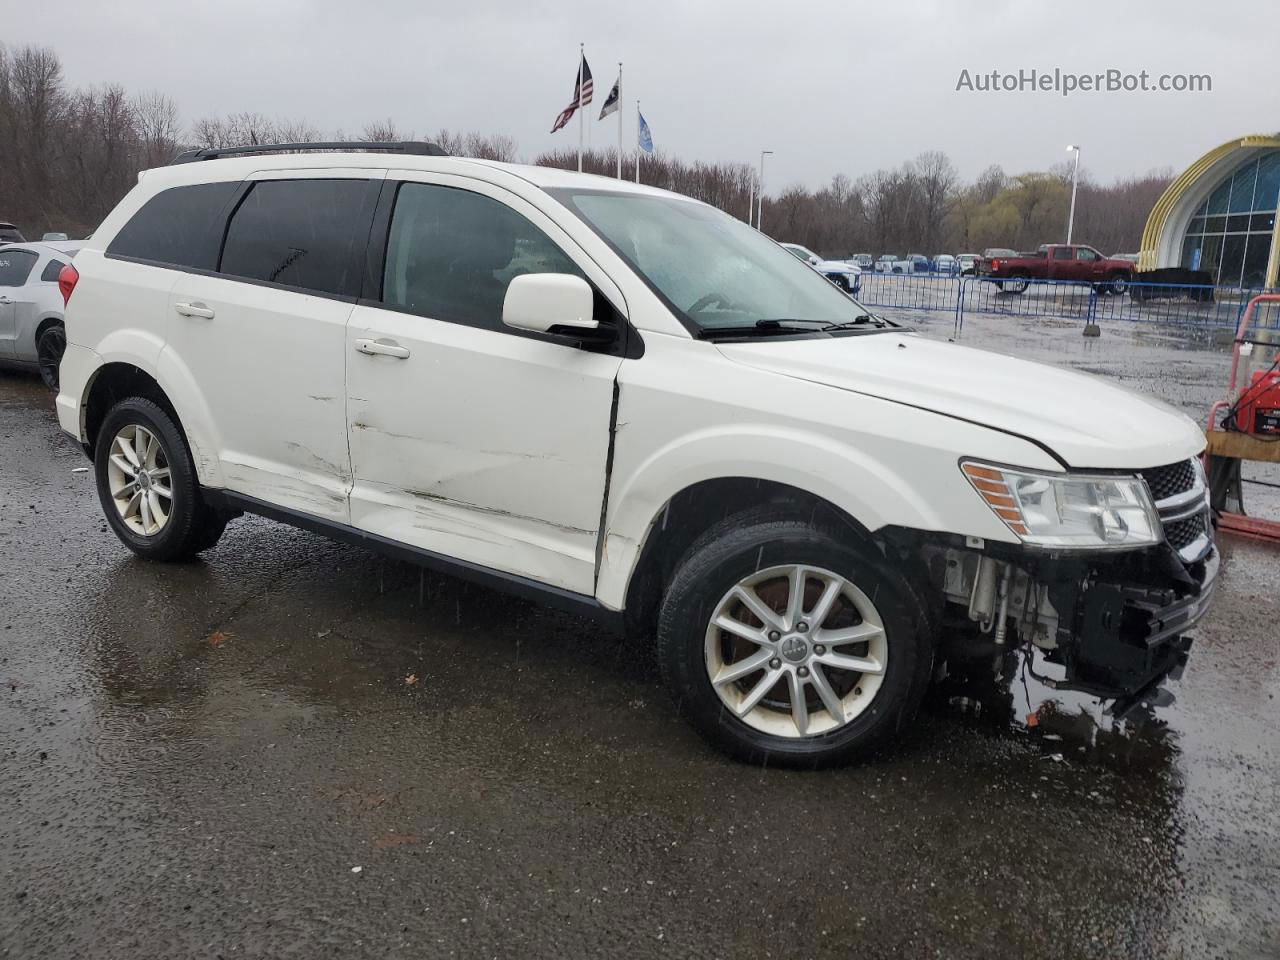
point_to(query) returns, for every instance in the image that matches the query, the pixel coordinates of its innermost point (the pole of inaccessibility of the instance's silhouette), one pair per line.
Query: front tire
(50, 347)
(787, 643)
(147, 484)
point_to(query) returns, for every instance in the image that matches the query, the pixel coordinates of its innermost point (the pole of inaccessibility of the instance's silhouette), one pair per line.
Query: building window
(1229, 235)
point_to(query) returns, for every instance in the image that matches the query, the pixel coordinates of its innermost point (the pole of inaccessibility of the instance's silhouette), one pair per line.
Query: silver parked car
(31, 328)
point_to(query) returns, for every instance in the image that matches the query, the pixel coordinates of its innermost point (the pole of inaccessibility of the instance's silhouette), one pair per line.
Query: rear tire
(147, 484)
(50, 347)
(1018, 283)
(845, 711)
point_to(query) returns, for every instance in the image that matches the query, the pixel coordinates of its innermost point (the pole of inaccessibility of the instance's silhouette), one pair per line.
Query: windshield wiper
(861, 320)
(781, 321)
(768, 328)
(782, 326)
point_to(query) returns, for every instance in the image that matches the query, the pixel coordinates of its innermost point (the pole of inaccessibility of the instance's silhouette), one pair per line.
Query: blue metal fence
(1163, 303)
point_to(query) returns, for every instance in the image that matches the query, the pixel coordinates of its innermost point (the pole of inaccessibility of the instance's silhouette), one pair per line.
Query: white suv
(628, 403)
(847, 276)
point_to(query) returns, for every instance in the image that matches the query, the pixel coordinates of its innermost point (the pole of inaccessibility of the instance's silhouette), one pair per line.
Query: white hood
(1088, 422)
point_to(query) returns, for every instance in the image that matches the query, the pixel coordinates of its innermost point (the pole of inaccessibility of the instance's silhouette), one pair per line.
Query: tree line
(68, 156)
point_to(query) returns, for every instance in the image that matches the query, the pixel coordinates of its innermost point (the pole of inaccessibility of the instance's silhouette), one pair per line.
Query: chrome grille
(1170, 480)
(1183, 533)
(1178, 490)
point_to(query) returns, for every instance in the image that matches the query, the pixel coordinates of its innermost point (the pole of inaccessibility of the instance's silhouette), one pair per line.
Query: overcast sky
(832, 87)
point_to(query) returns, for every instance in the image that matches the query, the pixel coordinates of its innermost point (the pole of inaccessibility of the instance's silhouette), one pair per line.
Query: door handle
(382, 348)
(194, 310)
(5, 300)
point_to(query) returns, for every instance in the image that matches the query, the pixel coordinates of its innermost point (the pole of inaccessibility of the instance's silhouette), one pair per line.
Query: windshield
(716, 272)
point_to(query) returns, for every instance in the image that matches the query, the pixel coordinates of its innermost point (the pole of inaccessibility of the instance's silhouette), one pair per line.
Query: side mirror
(555, 303)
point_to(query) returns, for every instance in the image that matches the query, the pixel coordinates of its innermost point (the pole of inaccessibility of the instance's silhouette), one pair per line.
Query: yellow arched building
(1220, 216)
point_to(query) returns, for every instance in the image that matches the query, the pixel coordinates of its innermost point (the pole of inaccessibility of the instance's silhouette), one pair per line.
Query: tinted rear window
(51, 270)
(180, 227)
(14, 267)
(309, 234)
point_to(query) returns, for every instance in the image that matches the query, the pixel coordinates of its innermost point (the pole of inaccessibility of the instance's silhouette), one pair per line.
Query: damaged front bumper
(1129, 636)
(1115, 625)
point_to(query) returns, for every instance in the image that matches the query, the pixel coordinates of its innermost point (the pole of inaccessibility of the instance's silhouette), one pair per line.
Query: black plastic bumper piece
(1128, 637)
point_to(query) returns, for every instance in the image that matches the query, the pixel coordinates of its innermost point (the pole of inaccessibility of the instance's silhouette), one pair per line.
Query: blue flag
(644, 139)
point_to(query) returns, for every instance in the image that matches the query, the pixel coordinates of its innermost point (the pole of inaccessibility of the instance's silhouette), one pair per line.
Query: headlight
(1068, 511)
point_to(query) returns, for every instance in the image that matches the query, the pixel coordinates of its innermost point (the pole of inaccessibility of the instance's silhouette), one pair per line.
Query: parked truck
(1059, 261)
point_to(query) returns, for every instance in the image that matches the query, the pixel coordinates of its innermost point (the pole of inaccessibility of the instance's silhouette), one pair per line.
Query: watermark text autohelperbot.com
(1065, 83)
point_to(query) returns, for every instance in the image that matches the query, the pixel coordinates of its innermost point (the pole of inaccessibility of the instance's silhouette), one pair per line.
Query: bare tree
(936, 178)
(211, 132)
(295, 131)
(989, 183)
(384, 131)
(489, 147)
(156, 118)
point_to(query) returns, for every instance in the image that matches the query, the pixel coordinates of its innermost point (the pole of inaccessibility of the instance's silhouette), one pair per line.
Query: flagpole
(619, 120)
(581, 59)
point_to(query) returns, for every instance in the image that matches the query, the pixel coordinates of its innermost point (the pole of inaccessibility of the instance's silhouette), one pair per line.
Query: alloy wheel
(139, 480)
(796, 651)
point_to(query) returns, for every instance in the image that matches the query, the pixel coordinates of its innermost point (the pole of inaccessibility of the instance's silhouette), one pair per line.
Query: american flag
(581, 96)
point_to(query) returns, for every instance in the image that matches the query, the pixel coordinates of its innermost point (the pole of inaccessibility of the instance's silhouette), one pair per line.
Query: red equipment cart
(1251, 431)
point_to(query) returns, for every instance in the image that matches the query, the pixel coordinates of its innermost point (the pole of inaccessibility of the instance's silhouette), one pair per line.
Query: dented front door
(467, 438)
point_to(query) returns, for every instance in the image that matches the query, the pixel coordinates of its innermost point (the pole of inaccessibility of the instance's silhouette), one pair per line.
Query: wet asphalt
(294, 748)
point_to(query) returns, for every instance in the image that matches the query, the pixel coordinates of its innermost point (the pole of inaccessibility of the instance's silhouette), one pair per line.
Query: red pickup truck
(1059, 261)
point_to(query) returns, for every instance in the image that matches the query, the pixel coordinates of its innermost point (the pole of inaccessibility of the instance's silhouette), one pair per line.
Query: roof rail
(419, 148)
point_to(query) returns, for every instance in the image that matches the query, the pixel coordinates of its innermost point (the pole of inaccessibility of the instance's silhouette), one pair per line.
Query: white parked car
(892, 263)
(847, 276)
(630, 404)
(31, 330)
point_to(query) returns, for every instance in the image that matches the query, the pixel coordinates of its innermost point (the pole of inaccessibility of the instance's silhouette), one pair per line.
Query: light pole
(760, 215)
(1075, 177)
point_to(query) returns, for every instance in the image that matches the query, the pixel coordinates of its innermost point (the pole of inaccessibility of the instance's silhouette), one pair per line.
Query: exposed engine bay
(1113, 625)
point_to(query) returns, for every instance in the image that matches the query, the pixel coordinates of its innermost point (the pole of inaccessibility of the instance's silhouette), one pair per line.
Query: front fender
(687, 414)
(864, 488)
